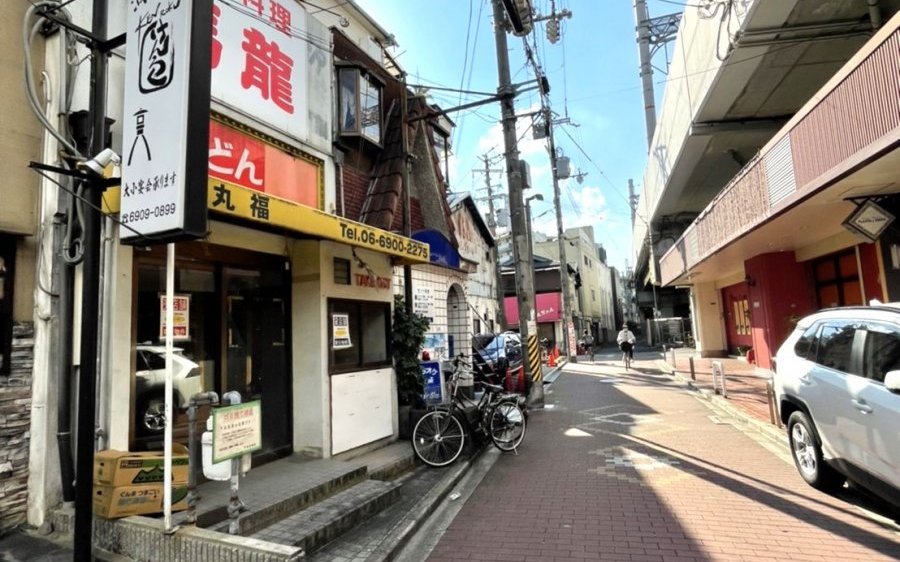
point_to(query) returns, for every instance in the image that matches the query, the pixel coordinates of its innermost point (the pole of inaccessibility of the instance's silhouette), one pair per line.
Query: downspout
(106, 254)
(407, 218)
(875, 14)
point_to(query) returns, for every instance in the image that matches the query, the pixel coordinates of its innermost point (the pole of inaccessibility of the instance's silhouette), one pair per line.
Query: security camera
(99, 163)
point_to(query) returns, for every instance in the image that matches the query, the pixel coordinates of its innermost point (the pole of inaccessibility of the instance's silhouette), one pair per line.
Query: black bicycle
(440, 435)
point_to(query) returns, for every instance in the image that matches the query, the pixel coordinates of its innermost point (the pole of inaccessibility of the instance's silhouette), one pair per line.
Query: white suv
(837, 384)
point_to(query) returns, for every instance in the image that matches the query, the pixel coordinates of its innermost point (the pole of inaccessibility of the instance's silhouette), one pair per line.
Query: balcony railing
(851, 119)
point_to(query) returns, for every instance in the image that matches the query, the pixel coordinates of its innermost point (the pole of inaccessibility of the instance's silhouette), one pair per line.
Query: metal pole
(196, 457)
(642, 23)
(404, 178)
(170, 350)
(561, 237)
(524, 286)
(90, 302)
(492, 224)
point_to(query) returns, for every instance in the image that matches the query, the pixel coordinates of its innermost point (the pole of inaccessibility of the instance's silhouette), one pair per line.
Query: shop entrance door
(255, 355)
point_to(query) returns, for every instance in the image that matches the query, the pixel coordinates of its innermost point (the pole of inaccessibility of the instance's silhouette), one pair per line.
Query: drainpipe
(64, 358)
(875, 14)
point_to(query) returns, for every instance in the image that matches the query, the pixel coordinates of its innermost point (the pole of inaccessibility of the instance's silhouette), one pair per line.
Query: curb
(769, 431)
(410, 523)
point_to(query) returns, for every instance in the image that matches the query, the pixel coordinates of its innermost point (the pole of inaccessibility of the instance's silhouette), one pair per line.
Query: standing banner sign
(166, 121)
(434, 382)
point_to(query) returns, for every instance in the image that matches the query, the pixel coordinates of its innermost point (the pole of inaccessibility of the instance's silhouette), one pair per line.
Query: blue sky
(593, 73)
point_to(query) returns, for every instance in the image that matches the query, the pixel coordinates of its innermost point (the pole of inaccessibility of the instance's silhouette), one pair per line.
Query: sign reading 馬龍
(259, 61)
(166, 111)
(236, 430)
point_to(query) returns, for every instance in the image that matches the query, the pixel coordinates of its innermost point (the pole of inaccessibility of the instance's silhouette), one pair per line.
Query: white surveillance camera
(99, 163)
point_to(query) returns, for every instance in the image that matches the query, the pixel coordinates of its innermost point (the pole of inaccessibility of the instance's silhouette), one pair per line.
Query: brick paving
(629, 466)
(745, 382)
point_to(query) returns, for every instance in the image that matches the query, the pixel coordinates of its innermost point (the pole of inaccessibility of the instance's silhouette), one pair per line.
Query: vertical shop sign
(181, 308)
(259, 61)
(340, 324)
(166, 112)
(423, 302)
(434, 382)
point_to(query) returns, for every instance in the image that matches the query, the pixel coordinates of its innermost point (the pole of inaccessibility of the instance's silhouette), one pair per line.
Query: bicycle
(626, 353)
(440, 435)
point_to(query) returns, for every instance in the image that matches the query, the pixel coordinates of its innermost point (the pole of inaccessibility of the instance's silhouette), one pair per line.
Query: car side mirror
(892, 381)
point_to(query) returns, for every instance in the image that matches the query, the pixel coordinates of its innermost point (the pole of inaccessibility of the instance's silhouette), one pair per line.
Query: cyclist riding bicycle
(625, 339)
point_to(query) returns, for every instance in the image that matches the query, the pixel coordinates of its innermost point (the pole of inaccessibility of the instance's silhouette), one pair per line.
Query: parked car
(150, 386)
(498, 358)
(837, 384)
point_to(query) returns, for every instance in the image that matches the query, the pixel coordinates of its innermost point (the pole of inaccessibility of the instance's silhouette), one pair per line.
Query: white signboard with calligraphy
(236, 430)
(423, 302)
(259, 61)
(166, 116)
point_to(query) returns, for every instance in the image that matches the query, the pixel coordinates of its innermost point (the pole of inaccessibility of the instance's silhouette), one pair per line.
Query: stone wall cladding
(15, 422)
(142, 538)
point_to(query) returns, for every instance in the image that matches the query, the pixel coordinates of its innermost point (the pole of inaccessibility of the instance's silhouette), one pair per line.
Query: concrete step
(272, 502)
(321, 523)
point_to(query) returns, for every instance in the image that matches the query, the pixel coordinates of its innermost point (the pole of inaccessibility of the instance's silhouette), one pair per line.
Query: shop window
(341, 271)
(359, 335)
(837, 281)
(359, 102)
(7, 273)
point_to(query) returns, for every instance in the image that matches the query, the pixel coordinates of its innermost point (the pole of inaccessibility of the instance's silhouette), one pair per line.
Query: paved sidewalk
(626, 466)
(745, 383)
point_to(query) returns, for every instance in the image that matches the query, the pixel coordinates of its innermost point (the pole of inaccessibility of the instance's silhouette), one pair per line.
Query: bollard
(674, 364)
(691, 364)
(199, 399)
(770, 398)
(718, 374)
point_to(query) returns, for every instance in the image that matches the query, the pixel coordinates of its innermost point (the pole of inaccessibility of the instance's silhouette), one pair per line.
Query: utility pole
(524, 278)
(495, 251)
(407, 213)
(642, 17)
(568, 322)
(632, 201)
(90, 299)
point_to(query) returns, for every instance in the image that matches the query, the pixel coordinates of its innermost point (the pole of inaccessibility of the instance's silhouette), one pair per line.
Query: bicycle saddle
(492, 387)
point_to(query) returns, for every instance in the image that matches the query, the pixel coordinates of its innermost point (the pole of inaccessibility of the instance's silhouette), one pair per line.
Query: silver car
(837, 384)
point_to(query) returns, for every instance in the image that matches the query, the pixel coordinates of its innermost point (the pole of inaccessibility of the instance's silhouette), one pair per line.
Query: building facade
(760, 240)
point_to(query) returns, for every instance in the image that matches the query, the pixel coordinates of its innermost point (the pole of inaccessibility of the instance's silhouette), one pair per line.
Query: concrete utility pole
(642, 21)
(568, 322)
(524, 278)
(495, 251)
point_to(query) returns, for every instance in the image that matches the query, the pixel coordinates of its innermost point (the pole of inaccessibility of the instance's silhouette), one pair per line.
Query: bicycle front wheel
(438, 438)
(506, 426)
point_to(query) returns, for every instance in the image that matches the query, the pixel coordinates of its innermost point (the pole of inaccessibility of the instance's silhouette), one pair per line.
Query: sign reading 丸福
(236, 430)
(166, 115)
(236, 200)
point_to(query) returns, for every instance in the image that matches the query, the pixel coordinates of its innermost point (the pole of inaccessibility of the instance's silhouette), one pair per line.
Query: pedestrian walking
(626, 339)
(587, 342)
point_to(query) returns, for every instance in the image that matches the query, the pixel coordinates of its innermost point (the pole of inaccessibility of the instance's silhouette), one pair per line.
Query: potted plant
(408, 337)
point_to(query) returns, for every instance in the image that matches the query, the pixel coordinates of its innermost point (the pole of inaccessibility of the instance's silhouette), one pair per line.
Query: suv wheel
(151, 414)
(807, 453)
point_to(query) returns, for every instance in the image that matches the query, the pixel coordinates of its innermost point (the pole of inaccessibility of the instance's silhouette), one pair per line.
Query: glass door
(255, 355)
